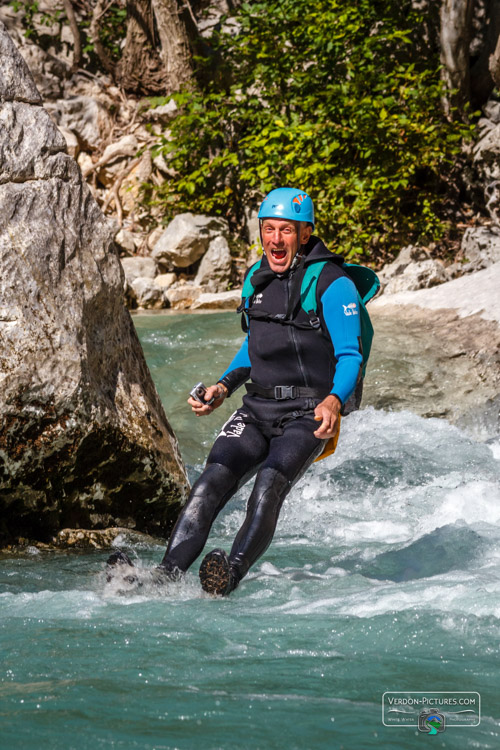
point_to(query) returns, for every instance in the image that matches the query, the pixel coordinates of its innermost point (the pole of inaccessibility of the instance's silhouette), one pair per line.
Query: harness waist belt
(284, 392)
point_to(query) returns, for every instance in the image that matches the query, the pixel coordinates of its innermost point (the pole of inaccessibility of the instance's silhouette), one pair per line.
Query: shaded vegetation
(339, 98)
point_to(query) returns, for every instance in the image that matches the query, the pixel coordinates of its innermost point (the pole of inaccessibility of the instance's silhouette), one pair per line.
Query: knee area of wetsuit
(215, 477)
(269, 482)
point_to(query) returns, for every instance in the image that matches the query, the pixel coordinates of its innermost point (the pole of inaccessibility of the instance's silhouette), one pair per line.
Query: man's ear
(305, 233)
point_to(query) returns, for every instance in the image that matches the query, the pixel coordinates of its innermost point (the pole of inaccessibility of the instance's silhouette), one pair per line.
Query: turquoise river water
(384, 575)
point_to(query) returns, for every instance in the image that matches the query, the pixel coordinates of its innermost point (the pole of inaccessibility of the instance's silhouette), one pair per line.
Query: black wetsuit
(273, 437)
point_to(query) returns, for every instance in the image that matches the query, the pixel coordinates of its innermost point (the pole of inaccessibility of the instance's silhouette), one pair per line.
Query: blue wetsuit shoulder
(340, 311)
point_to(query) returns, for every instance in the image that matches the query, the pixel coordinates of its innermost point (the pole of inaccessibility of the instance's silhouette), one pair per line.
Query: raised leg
(289, 457)
(234, 457)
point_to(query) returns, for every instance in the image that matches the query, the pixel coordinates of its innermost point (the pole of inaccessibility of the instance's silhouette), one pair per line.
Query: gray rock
(72, 144)
(38, 157)
(49, 72)
(164, 280)
(492, 111)
(486, 158)
(99, 538)
(127, 240)
(16, 82)
(187, 238)
(161, 164)
(413, 269)
(163, 113)
(253, 227)
(181, 296)
(480, 248)
(421, 275)
(154, 236)
(214, 272)
(84, 440)
(137, 267)
(222, 301)
(408, 254)
(149, 295)
(84, 115)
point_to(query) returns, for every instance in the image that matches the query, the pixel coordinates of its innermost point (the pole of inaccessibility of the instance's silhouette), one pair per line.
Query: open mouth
(278, 254)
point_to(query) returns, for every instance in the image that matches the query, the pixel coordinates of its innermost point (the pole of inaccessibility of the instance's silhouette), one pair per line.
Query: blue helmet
(287, 203)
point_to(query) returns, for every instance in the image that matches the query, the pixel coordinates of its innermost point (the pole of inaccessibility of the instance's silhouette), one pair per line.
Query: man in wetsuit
(302, 370)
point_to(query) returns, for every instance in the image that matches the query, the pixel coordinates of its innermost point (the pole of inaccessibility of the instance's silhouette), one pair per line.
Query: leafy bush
(334, 97)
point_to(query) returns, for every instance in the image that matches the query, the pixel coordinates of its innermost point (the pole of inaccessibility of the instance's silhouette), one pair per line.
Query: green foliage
(31, 13)
(112, 28)
(332, 97)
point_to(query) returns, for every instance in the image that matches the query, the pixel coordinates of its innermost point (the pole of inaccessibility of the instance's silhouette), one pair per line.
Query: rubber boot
(216, 574)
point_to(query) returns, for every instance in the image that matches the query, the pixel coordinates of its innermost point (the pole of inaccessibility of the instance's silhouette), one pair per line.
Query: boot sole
(215, 575)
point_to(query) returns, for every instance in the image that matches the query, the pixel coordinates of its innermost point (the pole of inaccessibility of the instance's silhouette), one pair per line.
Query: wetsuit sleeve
(238, 371)
(341, 316)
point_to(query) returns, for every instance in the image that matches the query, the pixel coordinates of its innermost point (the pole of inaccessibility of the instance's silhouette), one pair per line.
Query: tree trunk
(77, 45)
(156, 57)
(95, 24)
(455, 33)
(485, 73)
(141, 69)
(174, 43)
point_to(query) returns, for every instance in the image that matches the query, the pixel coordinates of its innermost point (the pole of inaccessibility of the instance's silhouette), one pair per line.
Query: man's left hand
(328, 413)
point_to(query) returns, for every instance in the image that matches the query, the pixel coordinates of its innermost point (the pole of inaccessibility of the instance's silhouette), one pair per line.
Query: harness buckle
(283, 392)
(315, 322)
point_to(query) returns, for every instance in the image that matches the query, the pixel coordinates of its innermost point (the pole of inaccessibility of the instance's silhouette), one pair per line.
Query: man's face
(281, 239)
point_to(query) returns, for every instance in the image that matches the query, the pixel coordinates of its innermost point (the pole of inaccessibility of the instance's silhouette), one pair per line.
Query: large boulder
(480, 248)
(148, 295)
(413, 269)
(182, 295)
(84, 441)
(139, 267)
(486, 160)
(187, 238)
(214, 272)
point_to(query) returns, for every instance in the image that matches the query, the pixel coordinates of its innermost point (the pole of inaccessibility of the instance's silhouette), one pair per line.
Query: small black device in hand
(198, 393)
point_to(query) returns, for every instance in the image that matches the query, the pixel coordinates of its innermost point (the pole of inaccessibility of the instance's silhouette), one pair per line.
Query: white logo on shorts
(234, 426)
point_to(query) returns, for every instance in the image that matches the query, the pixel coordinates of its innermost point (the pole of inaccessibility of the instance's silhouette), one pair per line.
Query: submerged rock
(99, 538)
(84, 441)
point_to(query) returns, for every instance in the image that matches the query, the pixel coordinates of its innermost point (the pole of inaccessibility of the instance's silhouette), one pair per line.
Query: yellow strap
(331, 444)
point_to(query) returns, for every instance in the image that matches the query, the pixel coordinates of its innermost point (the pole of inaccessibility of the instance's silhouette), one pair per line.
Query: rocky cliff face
(84, 440)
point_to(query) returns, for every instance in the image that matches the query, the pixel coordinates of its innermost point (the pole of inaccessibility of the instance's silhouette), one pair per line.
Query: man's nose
(277, 237)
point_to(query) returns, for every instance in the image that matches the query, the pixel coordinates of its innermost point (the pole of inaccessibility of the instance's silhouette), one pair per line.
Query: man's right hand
(218, 391)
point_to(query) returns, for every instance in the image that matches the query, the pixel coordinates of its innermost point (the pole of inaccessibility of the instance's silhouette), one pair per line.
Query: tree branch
(77, 48)
(456, 19)
(99, 10)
